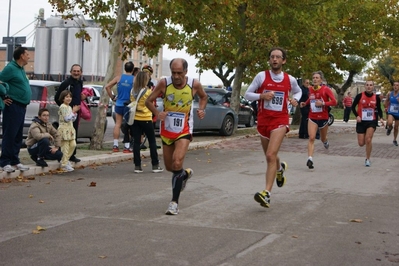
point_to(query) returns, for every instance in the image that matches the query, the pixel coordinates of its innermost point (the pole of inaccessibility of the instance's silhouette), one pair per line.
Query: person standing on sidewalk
(143, 124)
(67, 115)
(17, 98)
(124, 86)
(347, 102)
(43, 141)
(367, 109)
(303, 126)
(320, 99)
(392, 106)
(271, 88)
(176, 128)
(74, 84)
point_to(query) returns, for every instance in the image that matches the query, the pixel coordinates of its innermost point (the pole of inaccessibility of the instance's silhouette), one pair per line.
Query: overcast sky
(23, 13)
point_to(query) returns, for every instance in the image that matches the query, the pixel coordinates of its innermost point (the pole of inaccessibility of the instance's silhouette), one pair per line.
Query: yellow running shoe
(263, 198)
(280, 178)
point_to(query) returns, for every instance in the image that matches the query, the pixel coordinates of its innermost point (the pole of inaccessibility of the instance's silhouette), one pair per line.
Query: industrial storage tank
(75, 22)
(103, 57)
(54, 22)
(90, 53)
(74, 49)
(42, 52)
(58, 53)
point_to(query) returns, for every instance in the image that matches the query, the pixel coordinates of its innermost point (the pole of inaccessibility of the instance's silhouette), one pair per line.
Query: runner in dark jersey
(367, 110)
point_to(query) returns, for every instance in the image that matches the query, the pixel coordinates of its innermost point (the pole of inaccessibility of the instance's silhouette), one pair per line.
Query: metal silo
(54, 22)
(58, 53)
(103, 57)
(42, 52)
(74, 49)
(90, 53)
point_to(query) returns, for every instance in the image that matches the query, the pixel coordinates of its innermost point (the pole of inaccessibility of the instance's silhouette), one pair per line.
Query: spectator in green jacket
(16, 100)
(3, 93)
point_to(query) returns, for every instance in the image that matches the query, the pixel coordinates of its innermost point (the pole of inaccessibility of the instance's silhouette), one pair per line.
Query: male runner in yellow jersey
(177, 122)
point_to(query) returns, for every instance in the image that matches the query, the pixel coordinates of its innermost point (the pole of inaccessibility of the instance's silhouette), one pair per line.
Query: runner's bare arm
(159, 89)
(109, 86)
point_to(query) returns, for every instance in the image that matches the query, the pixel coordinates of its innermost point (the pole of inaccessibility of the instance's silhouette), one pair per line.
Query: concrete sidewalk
(94, 157)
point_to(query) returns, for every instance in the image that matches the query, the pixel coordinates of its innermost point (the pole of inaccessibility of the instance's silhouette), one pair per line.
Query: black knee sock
(177, 182)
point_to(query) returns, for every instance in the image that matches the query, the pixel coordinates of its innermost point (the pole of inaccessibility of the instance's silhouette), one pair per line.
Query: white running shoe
(172, 209)
(67, 168)
(21, 167)
(8, 168)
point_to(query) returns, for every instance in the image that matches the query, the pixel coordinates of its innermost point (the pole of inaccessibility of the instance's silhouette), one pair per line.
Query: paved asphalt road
(341, 213)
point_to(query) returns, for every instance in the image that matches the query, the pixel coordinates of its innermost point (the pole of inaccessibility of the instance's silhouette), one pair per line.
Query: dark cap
(147, 68)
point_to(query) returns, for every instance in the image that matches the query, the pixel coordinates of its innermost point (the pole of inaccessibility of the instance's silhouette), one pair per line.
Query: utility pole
(11, 41)
(8, 59)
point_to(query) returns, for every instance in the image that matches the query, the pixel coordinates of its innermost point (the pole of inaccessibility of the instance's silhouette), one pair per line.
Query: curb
(101, 159)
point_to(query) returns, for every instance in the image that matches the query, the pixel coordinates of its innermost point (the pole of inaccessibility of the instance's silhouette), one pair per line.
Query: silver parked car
(217, 118)
(246, 115)
(43, 92)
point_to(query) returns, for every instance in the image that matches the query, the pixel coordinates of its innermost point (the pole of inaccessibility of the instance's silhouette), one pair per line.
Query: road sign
(8, 40)
(20, 40)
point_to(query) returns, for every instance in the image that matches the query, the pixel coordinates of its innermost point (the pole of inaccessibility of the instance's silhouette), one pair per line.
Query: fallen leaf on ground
(294, 236)
(41, 201)
(39, 228)
(356, 220)
(92, 184)
(102, 257)
(35, 232)
(30, 196)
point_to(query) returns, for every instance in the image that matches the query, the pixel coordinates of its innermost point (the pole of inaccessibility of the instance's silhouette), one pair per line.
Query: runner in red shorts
(271, 88)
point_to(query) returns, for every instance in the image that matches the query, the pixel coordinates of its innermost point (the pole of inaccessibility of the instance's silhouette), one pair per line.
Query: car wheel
(251, 121)
(330, 119)
(227, 126)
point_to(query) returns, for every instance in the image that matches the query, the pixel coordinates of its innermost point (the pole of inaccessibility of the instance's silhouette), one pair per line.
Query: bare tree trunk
(96, 142)
(296, 118)
(236, 90)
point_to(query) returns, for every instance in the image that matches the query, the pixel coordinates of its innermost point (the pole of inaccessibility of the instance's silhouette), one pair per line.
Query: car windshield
(211, 98)
(218, 97)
